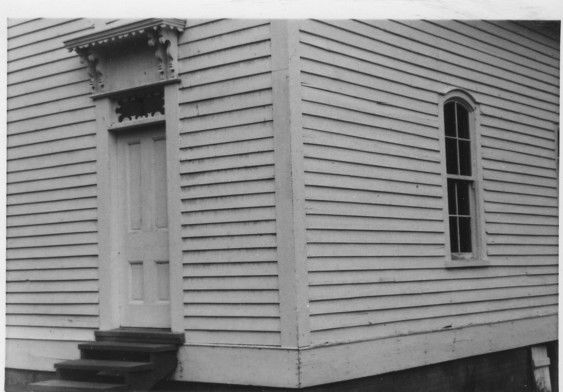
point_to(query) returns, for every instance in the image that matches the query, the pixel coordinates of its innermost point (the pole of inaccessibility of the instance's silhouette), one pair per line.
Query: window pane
(462, 122)
(464, 158)
(463, 198)
(449, 119)
(465, 234)
(451, 156)
(451, 198)
(453, 234)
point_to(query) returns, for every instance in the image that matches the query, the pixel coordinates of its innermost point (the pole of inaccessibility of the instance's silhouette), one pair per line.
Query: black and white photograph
(278, 202)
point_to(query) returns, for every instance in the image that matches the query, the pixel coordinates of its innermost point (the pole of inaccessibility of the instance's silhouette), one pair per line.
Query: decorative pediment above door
(136, 54)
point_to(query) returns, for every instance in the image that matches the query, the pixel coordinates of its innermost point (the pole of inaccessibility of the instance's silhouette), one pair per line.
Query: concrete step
(104, 365)
(75, 386)
(127, 346)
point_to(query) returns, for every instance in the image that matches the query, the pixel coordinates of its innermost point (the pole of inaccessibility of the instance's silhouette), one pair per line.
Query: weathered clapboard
(302, 168)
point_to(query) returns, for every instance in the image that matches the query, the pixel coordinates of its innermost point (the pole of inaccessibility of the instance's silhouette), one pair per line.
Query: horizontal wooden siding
(375, 231)
(52, 277)
(227, 169)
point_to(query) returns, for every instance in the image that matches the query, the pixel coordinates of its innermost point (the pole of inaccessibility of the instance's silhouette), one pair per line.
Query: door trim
(108, 229)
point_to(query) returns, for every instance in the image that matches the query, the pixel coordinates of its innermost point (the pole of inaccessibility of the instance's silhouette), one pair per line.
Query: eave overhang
(110, 36)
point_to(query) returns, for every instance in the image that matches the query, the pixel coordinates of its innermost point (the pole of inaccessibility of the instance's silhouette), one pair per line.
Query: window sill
(466, 263)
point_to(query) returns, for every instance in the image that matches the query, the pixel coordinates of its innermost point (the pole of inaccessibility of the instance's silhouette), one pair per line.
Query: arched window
(461, 169)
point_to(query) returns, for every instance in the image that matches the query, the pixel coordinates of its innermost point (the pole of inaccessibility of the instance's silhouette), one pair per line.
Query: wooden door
(143, 221)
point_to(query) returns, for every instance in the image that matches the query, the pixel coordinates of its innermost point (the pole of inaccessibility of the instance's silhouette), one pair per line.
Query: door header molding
(130, 55)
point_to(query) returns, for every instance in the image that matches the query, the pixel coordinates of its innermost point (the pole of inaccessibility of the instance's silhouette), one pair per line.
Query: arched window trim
(478, 256)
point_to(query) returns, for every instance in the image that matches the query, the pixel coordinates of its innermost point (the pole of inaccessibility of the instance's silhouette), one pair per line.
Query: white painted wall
(52, 288)
(367, 98)
(227, 178)
(376, 241)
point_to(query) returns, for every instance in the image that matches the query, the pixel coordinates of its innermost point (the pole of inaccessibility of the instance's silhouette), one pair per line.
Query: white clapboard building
(278, 203)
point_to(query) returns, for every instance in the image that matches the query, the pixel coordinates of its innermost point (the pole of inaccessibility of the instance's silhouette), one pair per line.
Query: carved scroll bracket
(88, 57)
(164, 41)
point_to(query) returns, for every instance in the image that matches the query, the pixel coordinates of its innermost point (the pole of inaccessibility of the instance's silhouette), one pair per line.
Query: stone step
(142, 335)
(127, 346)
(75, 386)
(104, 365)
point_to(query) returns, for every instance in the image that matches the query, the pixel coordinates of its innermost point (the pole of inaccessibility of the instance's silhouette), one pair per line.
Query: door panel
(143, 223)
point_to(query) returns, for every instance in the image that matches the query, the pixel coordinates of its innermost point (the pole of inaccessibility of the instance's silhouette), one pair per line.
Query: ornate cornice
(109, 36)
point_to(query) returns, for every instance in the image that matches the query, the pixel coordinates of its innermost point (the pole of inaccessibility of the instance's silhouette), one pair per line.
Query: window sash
(457, 132)
(463, 237)
(461, 216)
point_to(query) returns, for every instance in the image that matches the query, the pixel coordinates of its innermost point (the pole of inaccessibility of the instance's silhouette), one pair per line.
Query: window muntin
(460, 180)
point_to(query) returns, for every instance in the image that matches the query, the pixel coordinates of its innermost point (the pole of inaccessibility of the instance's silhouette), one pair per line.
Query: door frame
(108, 224)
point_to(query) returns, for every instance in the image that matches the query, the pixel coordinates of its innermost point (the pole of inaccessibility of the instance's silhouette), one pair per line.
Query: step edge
(140, 366)
(71, 384)
(175, 337)
(75, 382)
(102, 347)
